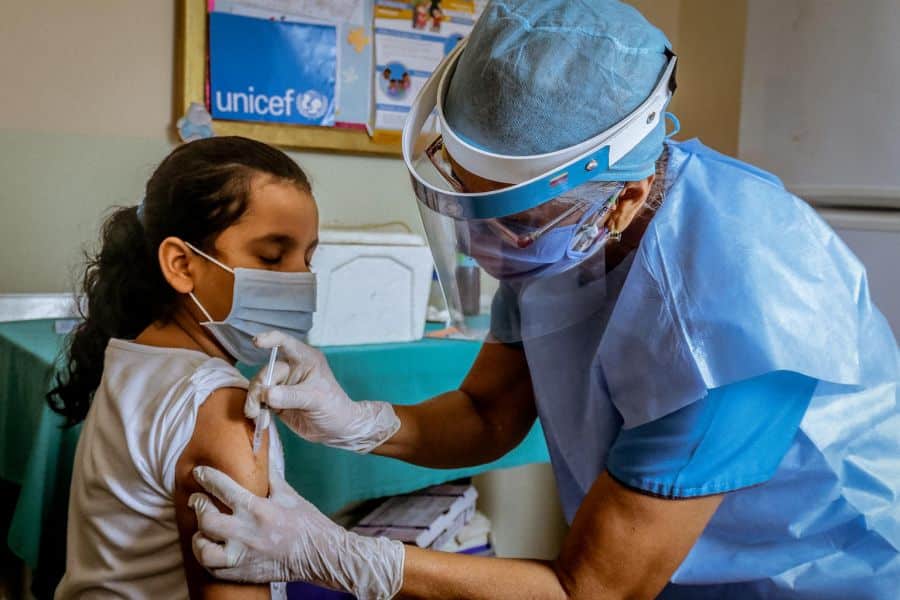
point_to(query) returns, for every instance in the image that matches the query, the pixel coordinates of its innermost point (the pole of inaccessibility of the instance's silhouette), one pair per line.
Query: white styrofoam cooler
(372, 287)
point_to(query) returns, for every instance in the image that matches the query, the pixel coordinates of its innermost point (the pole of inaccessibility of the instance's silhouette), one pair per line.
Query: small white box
(372, 287)
(423, 518)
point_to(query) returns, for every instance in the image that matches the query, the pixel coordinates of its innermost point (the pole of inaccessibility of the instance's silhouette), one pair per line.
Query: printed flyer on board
(411, 38)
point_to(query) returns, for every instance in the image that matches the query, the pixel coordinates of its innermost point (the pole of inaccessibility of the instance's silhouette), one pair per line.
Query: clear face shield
(504, 256)
(519, 253)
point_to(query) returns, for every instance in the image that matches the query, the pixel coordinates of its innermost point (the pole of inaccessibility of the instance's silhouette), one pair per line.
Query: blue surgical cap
(542, 75)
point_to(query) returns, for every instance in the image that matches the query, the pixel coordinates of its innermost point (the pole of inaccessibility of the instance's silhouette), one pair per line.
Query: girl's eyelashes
(270, 260)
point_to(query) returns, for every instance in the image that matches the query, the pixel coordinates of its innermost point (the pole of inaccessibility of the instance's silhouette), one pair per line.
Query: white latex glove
(285, 538)
(311, 402)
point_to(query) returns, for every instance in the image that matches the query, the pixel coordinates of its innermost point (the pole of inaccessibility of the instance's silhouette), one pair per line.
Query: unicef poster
(272, 71)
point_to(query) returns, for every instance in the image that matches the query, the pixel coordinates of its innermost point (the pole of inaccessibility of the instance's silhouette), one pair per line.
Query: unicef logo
(312, 104)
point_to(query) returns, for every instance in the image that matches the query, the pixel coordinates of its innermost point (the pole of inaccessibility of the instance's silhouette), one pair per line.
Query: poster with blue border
(271, 71)
(411, 39)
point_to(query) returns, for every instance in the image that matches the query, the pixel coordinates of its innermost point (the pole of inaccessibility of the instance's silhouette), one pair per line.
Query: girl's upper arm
(223, 439)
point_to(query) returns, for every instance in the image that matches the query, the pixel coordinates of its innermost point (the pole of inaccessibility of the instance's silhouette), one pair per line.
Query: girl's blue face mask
(262, 301)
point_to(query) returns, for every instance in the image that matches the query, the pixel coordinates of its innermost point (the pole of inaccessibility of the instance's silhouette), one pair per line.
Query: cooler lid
(367, 237)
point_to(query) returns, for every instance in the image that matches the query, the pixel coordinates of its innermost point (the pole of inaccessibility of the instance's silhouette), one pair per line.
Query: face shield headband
(537, 178)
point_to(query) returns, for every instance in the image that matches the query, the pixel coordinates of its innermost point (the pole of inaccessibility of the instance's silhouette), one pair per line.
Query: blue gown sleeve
(735, 437)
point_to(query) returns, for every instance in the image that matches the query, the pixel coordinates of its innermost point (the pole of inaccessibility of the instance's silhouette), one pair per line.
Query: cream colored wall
(85, 114)
(711, 37)
(708, 36)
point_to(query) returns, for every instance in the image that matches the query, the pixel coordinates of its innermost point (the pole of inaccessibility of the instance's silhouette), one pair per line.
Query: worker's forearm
(437, 575)
(448, 432)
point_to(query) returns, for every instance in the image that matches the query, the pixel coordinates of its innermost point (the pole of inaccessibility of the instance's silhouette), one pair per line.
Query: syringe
(262, 419)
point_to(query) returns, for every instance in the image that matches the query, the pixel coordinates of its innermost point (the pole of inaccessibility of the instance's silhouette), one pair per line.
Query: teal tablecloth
(36, 453)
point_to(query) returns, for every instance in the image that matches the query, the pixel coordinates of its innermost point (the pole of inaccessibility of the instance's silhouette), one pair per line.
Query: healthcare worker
(718, 393)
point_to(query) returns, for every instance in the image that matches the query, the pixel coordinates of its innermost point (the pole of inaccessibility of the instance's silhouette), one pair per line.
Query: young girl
(217, 252)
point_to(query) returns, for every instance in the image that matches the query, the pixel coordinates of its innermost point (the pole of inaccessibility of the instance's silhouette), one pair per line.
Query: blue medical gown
(735, 279)
(733, 438)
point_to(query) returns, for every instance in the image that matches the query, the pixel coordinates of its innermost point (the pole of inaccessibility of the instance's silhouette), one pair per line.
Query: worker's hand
(285, 538)
(311, 402)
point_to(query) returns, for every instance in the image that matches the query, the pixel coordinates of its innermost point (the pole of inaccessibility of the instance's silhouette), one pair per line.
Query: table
(37, 453)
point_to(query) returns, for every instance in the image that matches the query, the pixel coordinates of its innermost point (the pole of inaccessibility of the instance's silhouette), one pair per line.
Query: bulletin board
(192, 62)
(335, 75)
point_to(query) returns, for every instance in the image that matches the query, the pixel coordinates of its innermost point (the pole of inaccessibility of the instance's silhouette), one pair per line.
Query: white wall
(820, 97)
(86, 113)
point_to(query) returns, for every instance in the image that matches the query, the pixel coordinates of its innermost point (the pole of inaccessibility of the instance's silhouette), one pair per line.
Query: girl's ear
(175, 263)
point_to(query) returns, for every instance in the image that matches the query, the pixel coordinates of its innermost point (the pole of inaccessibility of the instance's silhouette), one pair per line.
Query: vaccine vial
(468, 280)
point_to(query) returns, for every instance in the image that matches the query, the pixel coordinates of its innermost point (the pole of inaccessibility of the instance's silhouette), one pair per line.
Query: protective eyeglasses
(435, 153)
(521, 230)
